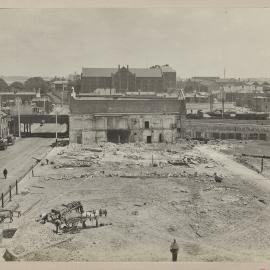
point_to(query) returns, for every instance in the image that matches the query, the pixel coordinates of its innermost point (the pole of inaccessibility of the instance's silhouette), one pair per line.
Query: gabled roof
(98, 72)
(107, 72)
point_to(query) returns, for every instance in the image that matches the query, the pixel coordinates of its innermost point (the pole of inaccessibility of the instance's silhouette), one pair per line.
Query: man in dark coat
(174, 250)
(5, 172)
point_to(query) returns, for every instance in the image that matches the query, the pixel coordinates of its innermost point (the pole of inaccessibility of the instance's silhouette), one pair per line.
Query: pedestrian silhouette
(174, 250)
(5, 172)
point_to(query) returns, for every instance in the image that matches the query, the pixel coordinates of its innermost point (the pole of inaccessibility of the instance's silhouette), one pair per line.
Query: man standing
(5, 172)
(174, 250)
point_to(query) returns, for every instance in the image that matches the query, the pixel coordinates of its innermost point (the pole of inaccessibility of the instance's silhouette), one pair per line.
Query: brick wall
(123, 105)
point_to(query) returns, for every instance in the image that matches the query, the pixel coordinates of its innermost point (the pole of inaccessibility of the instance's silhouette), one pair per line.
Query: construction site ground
(153, 193)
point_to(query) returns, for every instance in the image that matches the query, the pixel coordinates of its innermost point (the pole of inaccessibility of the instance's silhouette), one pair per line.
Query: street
(18, 158)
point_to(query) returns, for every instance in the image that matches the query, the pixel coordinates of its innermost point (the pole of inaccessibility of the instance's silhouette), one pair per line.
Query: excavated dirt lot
(153, 194)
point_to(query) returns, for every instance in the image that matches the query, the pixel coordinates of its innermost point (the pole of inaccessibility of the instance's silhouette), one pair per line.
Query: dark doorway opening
(238, 136)
(149, 139)
(262, 137)
(79, 139)
(146, 124)
(216, 135)
(161, 138)
(118, 135)
(198, 135)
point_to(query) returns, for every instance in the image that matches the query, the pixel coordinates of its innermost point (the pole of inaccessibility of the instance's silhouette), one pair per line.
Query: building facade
(261, 104)
(228, 129)
(125, 79)
(4, 130)
(123, 119)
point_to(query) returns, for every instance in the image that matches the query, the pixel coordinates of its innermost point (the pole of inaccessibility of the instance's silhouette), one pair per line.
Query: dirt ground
(235, 149)
(153, 194)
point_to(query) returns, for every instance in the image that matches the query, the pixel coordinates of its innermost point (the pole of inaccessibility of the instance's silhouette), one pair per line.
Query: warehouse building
(123, 118)
(124, 79)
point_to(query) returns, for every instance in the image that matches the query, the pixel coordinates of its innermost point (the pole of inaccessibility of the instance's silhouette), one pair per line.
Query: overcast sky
(195, 42)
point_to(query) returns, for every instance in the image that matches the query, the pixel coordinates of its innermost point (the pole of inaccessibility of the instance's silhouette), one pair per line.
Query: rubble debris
(195, 228)
(210, 166)
(172, 229)
(98, 150)
(140, 205)
(262, 201)
(37, 187)
(218, 179)
(6, 255)
(9, 233)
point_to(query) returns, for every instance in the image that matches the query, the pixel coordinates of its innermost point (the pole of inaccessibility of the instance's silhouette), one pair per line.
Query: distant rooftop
(60, 82)
(107, 72)
(19, 93)
(205, 78)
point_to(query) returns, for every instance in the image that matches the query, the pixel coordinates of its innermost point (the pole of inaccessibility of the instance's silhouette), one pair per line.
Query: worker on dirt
(47, 161)
(57, 225)
(174, 250)
(5, 172)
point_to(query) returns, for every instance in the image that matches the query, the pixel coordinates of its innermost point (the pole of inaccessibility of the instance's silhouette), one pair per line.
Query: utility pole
(222, 100)
(258, 156)
(44, 104)
(62, 94)
(19, 116)
(56, 143)
(211, 100)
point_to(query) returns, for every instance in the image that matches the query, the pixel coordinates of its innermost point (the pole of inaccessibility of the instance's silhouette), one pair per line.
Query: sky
(194, 41)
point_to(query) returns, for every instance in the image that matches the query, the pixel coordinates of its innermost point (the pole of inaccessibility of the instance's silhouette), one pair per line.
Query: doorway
(161, 139)
(149, 139)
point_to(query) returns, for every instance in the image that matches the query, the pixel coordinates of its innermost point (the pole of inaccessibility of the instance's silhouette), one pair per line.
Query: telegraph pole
(62, 94)
(19, 116)
(56, 143)
(223, 100)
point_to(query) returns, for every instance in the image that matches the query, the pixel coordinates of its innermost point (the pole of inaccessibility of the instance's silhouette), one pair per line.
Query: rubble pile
(138, 160)
(188, 161)
(76, 159)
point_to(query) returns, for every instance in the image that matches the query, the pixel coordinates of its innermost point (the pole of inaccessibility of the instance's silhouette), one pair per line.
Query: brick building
(226, 129)
(126, 118)
(125, 79)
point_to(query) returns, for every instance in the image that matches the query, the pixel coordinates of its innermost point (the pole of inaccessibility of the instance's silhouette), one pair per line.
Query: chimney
(118, 67)
(127, 67)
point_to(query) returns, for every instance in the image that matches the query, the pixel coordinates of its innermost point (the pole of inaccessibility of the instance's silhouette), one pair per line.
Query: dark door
(118, 136)
(149, 139)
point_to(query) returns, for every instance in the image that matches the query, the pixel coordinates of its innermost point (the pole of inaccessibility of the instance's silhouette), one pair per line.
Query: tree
(3, 85)
(16, 86)
(36, 83)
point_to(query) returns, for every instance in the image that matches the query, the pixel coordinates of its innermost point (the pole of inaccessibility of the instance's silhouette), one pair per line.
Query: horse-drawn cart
(69, 216)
